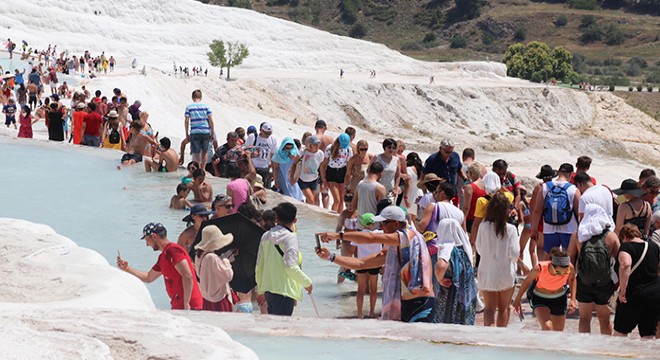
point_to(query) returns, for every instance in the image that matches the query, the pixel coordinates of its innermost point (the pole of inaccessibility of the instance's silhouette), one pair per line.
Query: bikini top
(639, 220)
(549, 282)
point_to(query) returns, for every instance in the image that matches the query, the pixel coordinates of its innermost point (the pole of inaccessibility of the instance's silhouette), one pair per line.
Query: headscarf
(281, 156)
(492, 183)
(344, 141)
(450, 235)
(594, 222)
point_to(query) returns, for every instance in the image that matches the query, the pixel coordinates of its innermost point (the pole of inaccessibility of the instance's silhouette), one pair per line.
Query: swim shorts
(199, 142)
(162, 168)
(374, 271)
(128, 157)
(10, 120)
(417, 310)
(555, 240)
(642, 314)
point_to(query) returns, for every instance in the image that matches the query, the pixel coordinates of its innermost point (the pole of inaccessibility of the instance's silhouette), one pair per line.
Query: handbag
(615, 297)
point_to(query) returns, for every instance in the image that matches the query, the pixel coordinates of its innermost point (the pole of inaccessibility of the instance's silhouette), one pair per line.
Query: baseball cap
(251, 129)
(152, 228)
(267, 127)
(314, 140)
(81, 105)
(391, 213)
(367, 219)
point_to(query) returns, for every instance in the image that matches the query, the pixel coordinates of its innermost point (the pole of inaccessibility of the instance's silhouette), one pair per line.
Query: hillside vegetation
(613, 41)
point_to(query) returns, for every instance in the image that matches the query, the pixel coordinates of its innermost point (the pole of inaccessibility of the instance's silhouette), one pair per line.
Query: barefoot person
(138, 145)
(201, 189)
(548, 297)
(180, 200)
(175, 266)
(166, 159)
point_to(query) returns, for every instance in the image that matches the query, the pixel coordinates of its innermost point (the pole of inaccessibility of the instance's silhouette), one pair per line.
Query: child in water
(180, 200)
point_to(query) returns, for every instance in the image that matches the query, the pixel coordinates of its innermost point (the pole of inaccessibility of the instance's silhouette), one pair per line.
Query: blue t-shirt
(35, 78)
(444, 169)
(10, 111)
(18, 78)
(199, 118)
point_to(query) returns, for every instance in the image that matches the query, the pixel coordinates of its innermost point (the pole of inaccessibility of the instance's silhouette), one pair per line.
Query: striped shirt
(199, 118)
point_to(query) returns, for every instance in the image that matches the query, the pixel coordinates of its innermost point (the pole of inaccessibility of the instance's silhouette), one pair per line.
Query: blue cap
(152, 228)
(251, 129)
(344, 141)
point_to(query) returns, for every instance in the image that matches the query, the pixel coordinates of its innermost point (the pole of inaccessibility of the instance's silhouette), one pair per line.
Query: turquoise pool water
(80, 193)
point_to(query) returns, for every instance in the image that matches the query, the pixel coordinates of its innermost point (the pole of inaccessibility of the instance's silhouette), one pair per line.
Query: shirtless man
(326, 140)
(202, 191)
(163, 155)
(138, 145)
(33, 95)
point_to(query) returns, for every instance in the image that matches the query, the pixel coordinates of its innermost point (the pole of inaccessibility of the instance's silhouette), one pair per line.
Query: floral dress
(25, 131)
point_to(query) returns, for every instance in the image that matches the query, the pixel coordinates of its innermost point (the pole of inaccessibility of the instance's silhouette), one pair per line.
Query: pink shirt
(240, 192)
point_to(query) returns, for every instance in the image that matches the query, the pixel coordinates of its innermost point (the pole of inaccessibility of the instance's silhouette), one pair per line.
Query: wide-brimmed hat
(213, 239)
(81, 105)
(546, 172)
(198, 209)
(113, 114)
(629, 186)
(259, 182)
(428, 178)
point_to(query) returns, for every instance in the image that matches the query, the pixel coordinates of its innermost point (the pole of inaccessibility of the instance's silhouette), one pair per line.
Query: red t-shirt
(172, 255)
(572, 180)
(93, 122)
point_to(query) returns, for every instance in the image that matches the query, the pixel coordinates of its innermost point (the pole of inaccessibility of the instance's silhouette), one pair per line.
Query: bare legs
(499, 301)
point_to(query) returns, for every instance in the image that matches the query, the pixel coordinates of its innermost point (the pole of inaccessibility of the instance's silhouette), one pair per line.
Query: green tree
(537, 62)
(227, 55)
(469, 8)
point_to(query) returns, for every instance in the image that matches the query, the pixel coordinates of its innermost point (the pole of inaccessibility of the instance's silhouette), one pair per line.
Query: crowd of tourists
(448, 234)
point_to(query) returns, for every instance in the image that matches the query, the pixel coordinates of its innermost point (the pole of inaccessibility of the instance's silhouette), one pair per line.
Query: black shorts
(417, 310)
(129, 157)
(641, 314)
(557, 306)
(10, 120)
(600, 295)
(374, 271)
(468, 225)
(335, 175)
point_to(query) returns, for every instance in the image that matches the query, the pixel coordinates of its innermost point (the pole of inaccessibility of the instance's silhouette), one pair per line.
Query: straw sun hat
(213, 239)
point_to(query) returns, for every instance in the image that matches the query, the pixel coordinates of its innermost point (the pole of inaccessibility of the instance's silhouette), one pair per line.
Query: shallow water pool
(79, 192)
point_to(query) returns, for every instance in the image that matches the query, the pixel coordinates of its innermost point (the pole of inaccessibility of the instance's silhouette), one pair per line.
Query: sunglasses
(391, 147)
(228, 206)
(288, 147)
(363, 149)
(388, 222)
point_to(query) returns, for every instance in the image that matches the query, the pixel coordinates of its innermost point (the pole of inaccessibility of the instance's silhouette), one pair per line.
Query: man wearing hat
(91, 128)
(175, 266)
(267, 145)
(112, 136)
(405, 297)
(445, 163)
(556, 233)
(428, 184)
(78, 116)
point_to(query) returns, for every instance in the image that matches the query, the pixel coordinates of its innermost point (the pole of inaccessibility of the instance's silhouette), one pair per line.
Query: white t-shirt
(599, 195)
(342, 157)
(413, 191)
(267, 147)
(447, 210)
(310, 165)
(569, 228)
(425, 201)
(364, 250)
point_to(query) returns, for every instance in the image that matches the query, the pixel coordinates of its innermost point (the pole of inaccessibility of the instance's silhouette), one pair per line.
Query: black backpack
(594, 261)
(114, 137)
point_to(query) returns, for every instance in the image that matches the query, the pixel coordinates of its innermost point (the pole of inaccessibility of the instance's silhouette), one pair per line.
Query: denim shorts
(314, 185)
(199, 143)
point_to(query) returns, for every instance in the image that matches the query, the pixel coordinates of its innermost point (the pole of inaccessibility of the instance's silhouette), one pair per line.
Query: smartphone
(318, 241)
(521, 315)
(118, 254)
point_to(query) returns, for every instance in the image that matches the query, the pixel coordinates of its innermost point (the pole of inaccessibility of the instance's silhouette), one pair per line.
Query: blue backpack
(556, 205)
